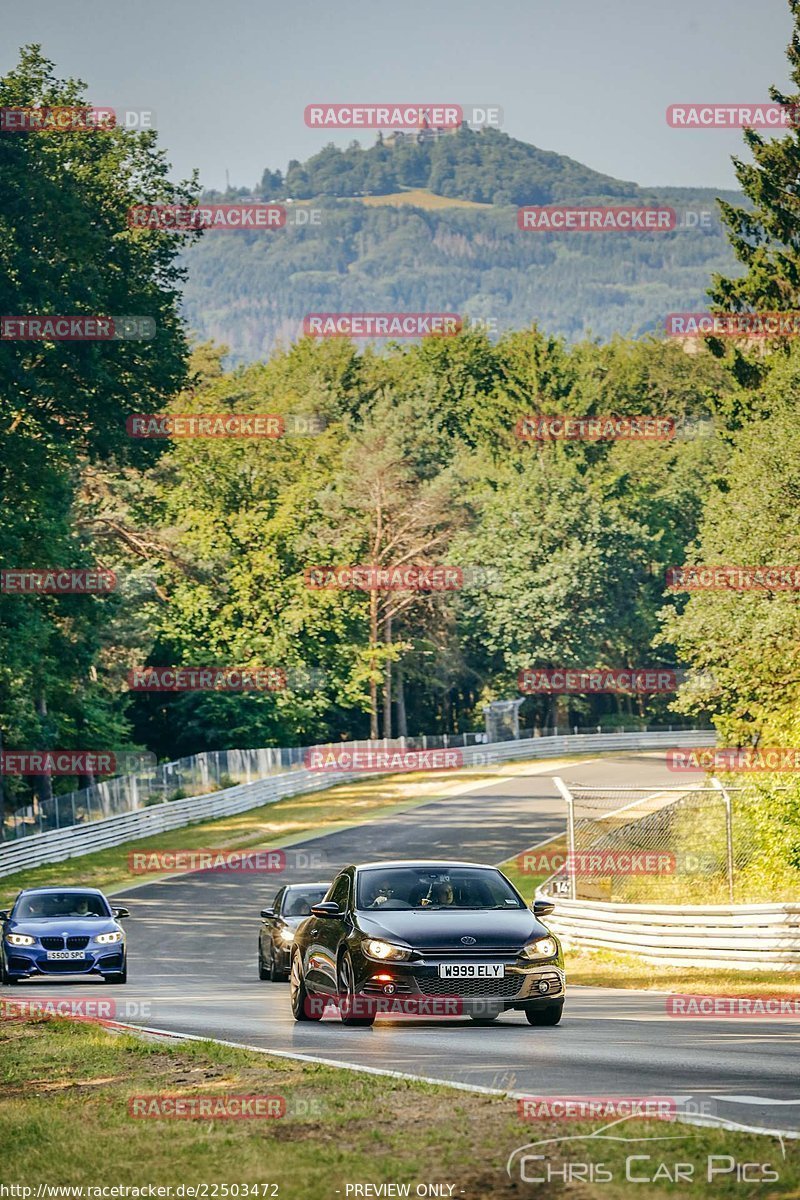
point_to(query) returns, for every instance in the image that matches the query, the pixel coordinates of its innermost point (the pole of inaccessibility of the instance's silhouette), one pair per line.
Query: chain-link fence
(709, 843)
(192, 776)
(646, 845)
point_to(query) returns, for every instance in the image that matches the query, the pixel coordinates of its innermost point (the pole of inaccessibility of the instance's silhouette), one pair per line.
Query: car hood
(57, 926)
(492, 928)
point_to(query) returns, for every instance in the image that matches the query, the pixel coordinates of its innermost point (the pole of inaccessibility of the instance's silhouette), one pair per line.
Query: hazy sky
(229, 80)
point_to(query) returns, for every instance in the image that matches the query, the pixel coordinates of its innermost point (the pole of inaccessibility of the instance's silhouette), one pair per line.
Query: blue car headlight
(103, 939)
(20, 939)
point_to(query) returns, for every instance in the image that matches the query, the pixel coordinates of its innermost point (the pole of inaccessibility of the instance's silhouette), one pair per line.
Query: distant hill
(388, 240)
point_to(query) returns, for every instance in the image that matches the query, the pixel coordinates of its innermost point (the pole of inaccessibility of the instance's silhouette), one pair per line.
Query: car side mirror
(542, 908)
(267, 913)
(121, 912)
(326, 908)
(4, 914)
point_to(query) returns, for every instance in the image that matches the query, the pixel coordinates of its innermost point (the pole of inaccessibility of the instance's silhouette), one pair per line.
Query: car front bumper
(24, 961)
(529, 985)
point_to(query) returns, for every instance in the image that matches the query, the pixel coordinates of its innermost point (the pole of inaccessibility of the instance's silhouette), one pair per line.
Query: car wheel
(275, 974)
(118, 976)
(263, 972)
(302, 1007)
(348, 1000)
(550, 1015)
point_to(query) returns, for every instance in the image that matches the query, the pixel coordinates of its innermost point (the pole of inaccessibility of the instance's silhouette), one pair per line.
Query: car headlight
(20, 939)
(545, 947)
(376, 948)
(286, 934)
(105, 938)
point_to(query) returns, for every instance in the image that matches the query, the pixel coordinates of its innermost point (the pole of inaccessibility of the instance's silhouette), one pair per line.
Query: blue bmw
(62, 931)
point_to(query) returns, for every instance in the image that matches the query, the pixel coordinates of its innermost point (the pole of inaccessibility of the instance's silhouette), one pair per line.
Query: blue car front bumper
(24, 961)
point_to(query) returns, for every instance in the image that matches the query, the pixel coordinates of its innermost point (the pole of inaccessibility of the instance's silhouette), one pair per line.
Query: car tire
(298, 996)
(117, 976)
(263, 972)
(550, 1015)
(275, 975)
(346, 988)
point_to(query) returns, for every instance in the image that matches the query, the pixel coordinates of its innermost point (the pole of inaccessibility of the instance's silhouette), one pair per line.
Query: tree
(65, 248)
(765, 234)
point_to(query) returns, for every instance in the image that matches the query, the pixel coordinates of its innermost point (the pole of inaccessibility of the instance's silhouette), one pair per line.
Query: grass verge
(64, 1120)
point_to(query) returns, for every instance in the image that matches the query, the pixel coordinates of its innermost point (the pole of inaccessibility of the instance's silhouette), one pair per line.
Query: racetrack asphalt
(192, 963)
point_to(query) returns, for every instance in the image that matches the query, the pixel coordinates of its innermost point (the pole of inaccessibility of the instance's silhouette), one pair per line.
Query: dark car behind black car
(411, 931)
(289, 907)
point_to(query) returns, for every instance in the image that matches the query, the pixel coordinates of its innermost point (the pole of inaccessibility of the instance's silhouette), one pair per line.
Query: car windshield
(60, 904)
(429, 888)
(297, 901)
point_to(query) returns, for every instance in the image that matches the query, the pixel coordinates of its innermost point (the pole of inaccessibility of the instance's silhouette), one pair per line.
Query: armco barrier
(75, 840)
(758, 937)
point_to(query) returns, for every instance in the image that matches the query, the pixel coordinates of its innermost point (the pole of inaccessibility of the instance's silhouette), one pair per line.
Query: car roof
(441, 864)
(55, 888)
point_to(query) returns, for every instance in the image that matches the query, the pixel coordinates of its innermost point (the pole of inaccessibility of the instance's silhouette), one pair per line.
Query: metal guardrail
(75, 840)
(761, 937)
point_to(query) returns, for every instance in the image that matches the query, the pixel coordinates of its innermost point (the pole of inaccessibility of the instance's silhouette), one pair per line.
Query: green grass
(64, 1120)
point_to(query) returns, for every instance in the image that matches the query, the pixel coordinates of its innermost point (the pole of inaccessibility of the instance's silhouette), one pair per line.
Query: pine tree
(766, 237)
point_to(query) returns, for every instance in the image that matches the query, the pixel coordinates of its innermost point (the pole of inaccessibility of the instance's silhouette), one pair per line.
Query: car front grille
(506, 988)
(493, 952)
(77, 943)
(53, 943)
